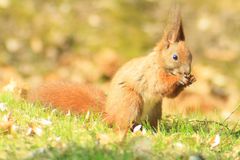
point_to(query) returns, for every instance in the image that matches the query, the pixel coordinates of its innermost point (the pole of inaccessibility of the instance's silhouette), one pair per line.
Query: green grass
(87, 137)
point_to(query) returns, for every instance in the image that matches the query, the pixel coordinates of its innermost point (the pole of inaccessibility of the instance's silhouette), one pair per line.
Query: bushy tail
(78, 98)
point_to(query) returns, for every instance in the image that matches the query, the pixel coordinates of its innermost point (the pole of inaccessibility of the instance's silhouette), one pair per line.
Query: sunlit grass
(87, 137)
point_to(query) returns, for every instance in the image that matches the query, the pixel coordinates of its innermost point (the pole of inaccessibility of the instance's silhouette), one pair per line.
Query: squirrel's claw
(192, 79)
(184, 80)
(187, 80)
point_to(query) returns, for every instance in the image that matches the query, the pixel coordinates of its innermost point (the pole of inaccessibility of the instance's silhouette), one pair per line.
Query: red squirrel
(138, 87)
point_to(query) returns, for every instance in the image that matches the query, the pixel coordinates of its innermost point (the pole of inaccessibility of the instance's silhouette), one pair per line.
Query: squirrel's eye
(175, 57)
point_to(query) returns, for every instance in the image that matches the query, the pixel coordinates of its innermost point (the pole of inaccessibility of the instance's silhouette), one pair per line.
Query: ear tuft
(174, 30)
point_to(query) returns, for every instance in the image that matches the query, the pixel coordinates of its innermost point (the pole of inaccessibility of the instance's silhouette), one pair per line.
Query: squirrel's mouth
(173, 72)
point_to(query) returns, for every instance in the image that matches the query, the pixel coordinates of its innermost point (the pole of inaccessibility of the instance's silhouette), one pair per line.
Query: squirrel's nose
(186, 70)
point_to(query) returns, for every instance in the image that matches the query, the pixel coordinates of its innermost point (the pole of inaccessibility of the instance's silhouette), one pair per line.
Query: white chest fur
(149, 102)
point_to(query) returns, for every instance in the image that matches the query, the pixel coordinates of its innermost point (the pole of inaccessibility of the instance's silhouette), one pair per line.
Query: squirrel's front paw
(192, 79)
(187, 80)
(184, 80)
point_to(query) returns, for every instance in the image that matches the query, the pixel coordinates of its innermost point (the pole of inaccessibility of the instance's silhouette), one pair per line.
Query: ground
(37, 132)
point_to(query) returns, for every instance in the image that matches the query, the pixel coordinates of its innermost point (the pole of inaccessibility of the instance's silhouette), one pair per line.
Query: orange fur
(182, 49)
(137, 89)
(77, 98)
(125, 109)
(170, 82)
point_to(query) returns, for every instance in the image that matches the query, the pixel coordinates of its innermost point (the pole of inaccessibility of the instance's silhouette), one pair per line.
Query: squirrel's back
(77, 98)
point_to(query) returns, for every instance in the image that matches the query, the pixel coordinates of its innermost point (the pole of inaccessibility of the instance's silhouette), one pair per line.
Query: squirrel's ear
(174, 30)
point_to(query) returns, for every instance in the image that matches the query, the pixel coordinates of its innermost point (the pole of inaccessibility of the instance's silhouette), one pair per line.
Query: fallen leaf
(58, 139)
(6, 126)
(29, 132)
(38, 131)
(11, 86)
(7, 117)
(45, 122)
(3, 107)
(139, 130)
(14, 128)
(34, 130)
(179, 145)
(215, 141)
(68, 113)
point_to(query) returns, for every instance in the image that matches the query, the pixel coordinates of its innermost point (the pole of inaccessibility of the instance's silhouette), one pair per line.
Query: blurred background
(86, 41)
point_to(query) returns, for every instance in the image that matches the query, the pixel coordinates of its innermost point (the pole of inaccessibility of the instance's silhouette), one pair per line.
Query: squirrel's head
(172, 52)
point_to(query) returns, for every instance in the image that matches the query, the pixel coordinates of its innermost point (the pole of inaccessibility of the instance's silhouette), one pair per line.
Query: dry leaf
(38, 131)
(45, 122)
(7, 117)
(139, 130)
(11, 86)
(68, 113)
(3, 107)
(58, 139)
(14, 128)
(179, 145)
(34, 130)
(215, 141)
(29, 132)
(6, 126)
